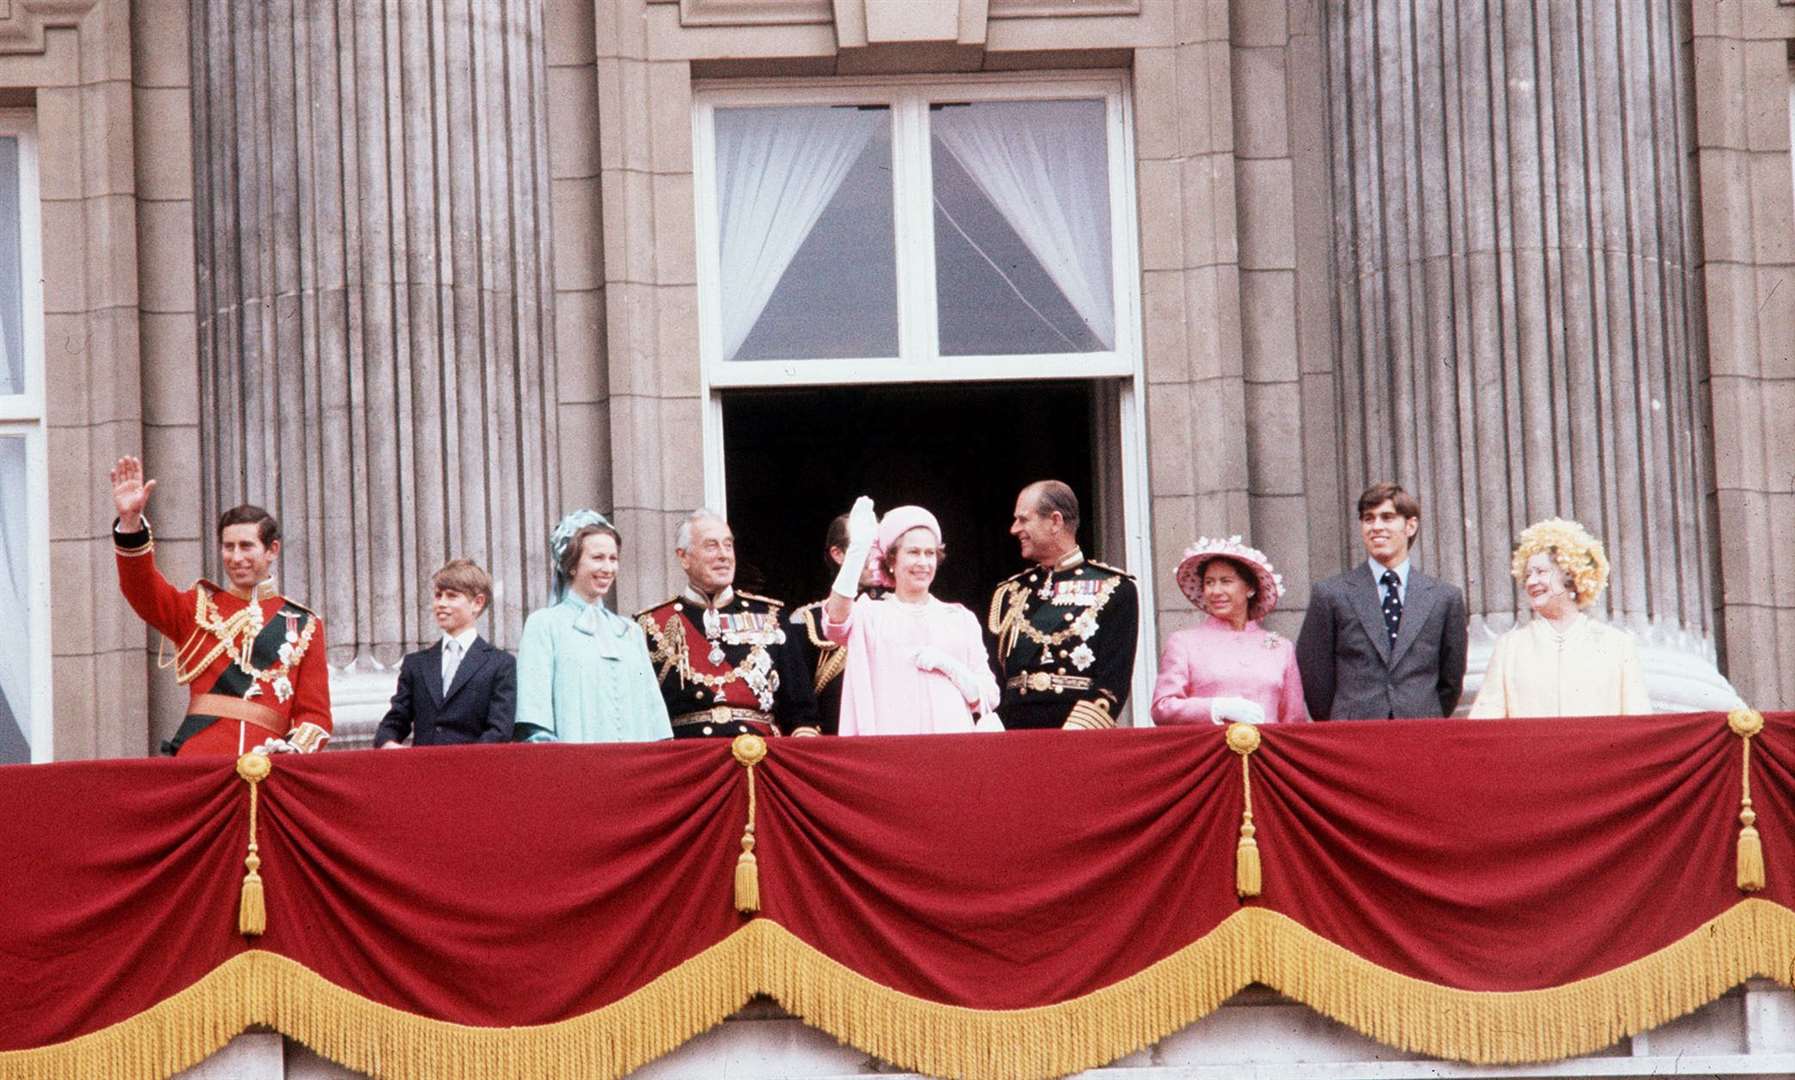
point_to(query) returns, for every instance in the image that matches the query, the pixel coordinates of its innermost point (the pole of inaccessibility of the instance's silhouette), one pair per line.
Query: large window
(24, 514)
(871, 234)
(916, 231)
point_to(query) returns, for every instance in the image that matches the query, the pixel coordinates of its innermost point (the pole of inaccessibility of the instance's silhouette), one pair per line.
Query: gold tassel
(1246, 862)
(1243, 739)
(749, 750)
(1750, 858)
(252, 912)
(747, 877)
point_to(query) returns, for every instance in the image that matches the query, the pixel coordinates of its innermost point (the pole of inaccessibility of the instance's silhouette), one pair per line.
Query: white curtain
(1044, 165)
(777, 170)
(15, 579)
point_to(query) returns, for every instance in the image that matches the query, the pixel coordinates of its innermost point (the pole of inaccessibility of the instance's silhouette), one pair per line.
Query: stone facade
(1250, 166)
(172, 140)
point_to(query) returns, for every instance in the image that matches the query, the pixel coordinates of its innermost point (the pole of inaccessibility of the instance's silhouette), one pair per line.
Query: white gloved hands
(1237, 710)
(930, 658)
(275, 746)
(863, 530)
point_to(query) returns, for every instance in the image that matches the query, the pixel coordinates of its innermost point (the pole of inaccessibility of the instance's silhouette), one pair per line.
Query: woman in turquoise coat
(583, 673)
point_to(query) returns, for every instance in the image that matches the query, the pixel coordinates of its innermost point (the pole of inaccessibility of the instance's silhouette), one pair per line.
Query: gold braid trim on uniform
(234, 634)
(1013, 621)
(667, 650)
(1754, 938)
(829, 666)
(1090, 715)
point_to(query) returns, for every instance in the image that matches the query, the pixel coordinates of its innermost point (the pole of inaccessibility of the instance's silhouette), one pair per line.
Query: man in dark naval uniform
(825, 658)
(1063, 631)
(726, 664)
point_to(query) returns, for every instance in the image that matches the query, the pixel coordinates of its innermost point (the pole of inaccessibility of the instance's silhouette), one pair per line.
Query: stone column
(376, 316)
(1518, 297)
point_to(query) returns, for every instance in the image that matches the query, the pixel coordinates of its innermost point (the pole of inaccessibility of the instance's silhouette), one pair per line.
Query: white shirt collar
(465, 639)
(1402, 575)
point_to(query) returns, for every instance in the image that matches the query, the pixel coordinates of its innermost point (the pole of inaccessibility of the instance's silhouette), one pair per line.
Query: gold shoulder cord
(236, 635)
(670, 653)
(1018, 624)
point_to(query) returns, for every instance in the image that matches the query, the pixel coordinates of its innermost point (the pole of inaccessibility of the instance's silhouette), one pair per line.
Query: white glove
(275, 746)
(930, 658)
(1222, 710)
(863, 529)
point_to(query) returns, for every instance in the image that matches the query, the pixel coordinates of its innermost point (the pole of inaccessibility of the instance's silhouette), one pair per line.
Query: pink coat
(883, 692)
(1212, 659)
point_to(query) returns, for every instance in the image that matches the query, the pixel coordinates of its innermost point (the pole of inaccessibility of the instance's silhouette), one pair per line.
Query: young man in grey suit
(1383, 640)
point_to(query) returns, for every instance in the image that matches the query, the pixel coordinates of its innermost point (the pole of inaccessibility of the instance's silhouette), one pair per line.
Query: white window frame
(919, 358)
(913, 222)
(24, 414)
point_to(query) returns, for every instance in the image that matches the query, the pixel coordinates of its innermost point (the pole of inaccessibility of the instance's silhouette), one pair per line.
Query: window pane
(1022, 244)
(12, 299)
(15, 615)
(807, 249)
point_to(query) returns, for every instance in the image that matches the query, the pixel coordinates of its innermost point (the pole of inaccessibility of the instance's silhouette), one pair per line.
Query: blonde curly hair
(1573, 550)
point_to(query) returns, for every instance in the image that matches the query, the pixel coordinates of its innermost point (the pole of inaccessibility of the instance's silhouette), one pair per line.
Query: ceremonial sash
(233, 681)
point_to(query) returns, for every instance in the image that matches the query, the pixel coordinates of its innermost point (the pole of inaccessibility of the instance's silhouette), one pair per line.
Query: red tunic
(297, 691)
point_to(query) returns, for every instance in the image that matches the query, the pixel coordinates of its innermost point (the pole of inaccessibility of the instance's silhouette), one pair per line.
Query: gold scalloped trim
(1753, 938)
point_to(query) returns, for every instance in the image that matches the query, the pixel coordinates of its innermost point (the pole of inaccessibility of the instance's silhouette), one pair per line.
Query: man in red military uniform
(252, 659)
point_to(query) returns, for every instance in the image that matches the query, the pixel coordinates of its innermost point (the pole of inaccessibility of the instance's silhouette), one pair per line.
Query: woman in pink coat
(915, 665)
(1227, 668)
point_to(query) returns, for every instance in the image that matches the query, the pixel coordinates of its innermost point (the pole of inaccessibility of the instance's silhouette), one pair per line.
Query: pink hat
(900, 520)
(1268, 588)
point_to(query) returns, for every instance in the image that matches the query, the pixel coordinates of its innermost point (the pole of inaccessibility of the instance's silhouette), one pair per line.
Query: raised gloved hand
(1224, 710)
(863, 530)
(930, 658)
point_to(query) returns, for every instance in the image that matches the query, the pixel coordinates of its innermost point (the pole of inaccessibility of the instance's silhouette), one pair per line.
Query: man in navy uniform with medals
(726, 665)
(1063, 632)
(825, 659)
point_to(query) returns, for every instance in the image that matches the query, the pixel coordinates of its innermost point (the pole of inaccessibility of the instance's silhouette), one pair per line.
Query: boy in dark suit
(460, 690)
(1383, 640)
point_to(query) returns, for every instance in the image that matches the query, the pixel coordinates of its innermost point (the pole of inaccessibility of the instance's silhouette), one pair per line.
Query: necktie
(1392, 604)
(451, 661)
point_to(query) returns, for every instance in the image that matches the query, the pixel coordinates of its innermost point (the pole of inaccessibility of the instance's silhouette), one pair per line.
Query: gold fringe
(1754, 938)
(1749, 858)
(252, 914)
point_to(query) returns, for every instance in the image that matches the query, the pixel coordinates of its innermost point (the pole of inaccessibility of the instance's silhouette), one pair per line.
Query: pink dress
(883, 692)
(1212, 659)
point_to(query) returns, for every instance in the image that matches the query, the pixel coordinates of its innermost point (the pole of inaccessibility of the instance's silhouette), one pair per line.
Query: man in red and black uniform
(252, 658)
(726, 664)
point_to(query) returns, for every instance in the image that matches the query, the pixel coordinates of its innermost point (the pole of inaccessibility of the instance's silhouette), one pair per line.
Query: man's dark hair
(267, 529)
(837, 537)
(1052, 496)
(1405, 504)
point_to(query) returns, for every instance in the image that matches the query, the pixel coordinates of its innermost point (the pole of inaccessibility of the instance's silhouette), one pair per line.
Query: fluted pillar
(375, 298)
(1517, 289)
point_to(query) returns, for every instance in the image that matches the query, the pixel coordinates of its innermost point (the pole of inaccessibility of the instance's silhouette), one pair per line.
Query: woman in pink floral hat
(1227, 668)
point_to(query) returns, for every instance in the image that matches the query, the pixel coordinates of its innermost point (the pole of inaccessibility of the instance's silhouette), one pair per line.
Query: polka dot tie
(1392, 604)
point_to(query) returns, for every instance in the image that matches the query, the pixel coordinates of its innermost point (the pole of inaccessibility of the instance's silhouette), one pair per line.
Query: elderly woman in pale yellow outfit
(1562, 662)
